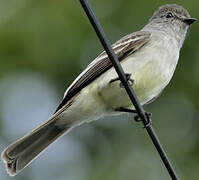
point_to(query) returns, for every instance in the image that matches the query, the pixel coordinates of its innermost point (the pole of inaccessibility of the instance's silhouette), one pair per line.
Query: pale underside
(148, 61)
(122, 48)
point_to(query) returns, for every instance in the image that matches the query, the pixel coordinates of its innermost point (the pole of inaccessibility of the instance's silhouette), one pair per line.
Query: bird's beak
(189, 21)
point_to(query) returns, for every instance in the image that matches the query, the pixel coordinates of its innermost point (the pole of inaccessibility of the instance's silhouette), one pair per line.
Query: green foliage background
(44, 45)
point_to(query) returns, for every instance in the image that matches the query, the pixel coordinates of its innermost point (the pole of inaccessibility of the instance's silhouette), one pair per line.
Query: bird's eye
(169, 15)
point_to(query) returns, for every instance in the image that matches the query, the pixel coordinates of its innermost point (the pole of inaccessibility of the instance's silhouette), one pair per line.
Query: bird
(148, 57)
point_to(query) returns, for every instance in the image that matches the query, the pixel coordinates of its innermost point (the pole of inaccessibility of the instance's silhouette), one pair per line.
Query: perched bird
(149, 58)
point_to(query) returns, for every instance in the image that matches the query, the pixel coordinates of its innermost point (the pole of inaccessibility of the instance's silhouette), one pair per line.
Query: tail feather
(19, 154)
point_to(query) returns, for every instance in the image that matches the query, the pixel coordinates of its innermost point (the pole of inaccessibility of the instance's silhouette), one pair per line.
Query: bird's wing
(122, 48)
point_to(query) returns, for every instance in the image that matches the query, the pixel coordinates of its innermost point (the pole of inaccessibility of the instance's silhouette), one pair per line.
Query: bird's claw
(148, 116)
(128, 78)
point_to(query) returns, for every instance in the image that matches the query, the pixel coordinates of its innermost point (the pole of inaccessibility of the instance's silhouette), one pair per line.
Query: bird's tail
(20, 153)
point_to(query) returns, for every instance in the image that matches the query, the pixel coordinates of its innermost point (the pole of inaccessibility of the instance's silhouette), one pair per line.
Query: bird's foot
(128, 77)
(137, 118)
(148, 115)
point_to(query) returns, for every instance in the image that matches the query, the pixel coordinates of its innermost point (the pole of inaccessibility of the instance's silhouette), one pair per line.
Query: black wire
(141, 112)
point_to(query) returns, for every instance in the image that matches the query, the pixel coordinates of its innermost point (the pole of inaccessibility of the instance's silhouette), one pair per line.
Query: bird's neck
(166, 32)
